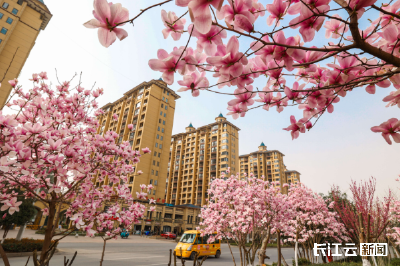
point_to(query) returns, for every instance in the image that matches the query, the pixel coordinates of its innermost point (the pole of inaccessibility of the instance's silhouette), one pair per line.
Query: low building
(169, 218)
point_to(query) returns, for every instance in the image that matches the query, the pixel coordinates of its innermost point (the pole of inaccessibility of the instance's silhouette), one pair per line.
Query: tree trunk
(48, 232)
(6, 229)
(104, 249)
(278, 234)
(296, 248)
(4, 256)
(263, 249)
(20, 232)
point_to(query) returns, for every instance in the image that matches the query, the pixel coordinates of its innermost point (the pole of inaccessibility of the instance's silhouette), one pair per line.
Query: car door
(205, 249)
(198, 244)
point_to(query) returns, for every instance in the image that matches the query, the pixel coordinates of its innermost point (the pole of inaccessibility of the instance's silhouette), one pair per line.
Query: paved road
(135, 251)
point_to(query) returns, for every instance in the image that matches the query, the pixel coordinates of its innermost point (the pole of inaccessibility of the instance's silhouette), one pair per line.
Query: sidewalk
(82, 239)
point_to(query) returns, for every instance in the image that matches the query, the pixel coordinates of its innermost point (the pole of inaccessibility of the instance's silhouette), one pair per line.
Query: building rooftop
(262, 144)
(292, 171)
(255, 152)
(40, 7)
(190, 125)
(159, 83)
(220, 115)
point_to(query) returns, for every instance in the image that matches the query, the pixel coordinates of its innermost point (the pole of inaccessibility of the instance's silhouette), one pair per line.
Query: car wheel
(192, 256)
(218, 254)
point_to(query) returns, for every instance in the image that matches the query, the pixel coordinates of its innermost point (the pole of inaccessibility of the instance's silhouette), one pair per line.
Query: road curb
(24, 254)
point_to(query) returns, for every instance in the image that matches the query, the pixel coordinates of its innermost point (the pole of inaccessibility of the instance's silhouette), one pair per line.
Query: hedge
(25, 245)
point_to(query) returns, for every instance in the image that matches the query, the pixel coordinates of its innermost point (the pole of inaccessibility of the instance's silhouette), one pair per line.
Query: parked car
(168, 235)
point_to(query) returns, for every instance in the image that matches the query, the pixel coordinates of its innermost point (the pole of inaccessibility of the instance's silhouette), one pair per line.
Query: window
(160, 146)
(165, 114)
(166, 100)
(5, 5)
(158, 163)
(156, 173)
(1, 15)
(155, 182)
(155, 153)
(158, 129)
(158, 136)
(154, 192)
(166, 107)
(162, 130)
(225, 141)
(224, 147)
(151, 181)
(167, 92)
(14, 11)
(156, 145)
(4, 30)
(1, 41)
(161, 113)
(162, 137)
(163, 98)
(152, 172)
(159, 120)
(162, 105)
(163, 122)
(20, 2)
(154, 163)
(159, 155)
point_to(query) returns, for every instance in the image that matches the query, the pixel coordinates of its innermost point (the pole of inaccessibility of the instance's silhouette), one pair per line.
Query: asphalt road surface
(140, 252)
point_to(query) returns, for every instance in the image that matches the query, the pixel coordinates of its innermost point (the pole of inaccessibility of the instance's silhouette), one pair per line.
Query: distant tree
(25, 214)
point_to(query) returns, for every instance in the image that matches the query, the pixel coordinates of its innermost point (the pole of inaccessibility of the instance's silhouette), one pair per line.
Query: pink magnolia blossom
(130, 126)
(139, 172)
(296, 127)
(230, 60)
(389, 128)
(244, 97)
(173, 25)
(146, 150)
(277, 10)
(393, 98)
(201, 15)
(335, 28)
(107, 16)
(194, 82)
(236, 111)
(208, 41)
(13, 82)
(11, 205)
(237, 13)
(166, 63)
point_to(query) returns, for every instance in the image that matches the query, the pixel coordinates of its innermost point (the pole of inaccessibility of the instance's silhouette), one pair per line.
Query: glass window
(4, 30)
(165, 114)
(20, 2)
(9, 21)
(156, 145)
(1, 15)
(158, 136)
(5, 5)
(160, 146)
(162, 130)
(187, 238)
(161, 113)
(166, 107)
(163, 122)
(14, 11)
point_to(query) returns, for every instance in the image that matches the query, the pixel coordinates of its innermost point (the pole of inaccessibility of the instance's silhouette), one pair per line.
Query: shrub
(25, 245)
(395, 262)
(301, 261)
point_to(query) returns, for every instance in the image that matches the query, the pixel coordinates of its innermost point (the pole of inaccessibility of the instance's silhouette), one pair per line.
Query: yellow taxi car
(191, 243)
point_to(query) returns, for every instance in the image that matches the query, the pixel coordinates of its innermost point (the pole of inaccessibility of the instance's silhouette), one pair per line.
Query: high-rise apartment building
(268, 164)
(20, 24)
(196, 156)
(150, 107)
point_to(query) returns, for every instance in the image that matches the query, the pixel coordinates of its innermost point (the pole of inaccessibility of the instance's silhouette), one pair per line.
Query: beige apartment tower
(269, 165)
(197, 156)
(150, 107)
(20, 24)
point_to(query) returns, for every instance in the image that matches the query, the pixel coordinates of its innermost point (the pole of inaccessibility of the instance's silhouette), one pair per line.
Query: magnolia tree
(241, 209)
(366, 217)
(312, 223)
(49, 149)
(299, 70)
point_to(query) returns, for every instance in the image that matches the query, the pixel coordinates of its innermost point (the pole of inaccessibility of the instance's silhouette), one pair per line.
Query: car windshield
(187, 238)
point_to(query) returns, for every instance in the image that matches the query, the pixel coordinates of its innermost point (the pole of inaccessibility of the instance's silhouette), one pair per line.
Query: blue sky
(341, 147)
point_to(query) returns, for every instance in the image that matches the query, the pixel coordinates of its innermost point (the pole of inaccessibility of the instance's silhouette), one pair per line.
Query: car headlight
(190, 248)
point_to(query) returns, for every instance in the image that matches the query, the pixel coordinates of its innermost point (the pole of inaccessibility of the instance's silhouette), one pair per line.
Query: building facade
(150, 107)
(168, 218)
(267, 164)
(197, 156)
(20, 24)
